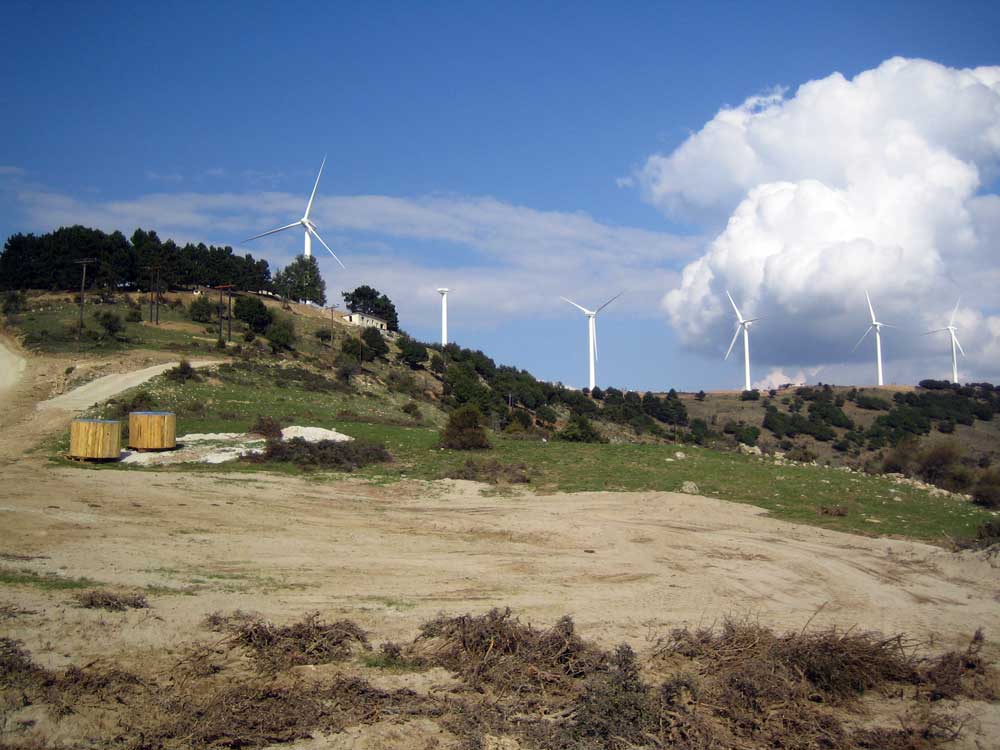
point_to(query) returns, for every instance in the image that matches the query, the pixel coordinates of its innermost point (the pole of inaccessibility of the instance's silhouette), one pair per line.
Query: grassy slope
(979, 439)
(795, 493)
(791, 492)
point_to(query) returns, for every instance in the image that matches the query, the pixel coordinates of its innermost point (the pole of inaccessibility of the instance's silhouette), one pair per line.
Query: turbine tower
(592, 332)
(876, 326)
(952, 332)
(443, 291)
(744, 326)
(308, 227)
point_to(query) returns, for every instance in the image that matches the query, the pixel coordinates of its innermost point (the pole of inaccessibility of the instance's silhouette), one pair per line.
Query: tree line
(47, 261)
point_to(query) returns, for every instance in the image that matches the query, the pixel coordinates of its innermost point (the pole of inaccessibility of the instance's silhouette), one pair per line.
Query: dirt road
(11, 367)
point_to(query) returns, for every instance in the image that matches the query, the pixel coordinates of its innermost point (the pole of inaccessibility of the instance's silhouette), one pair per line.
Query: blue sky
(470, 145)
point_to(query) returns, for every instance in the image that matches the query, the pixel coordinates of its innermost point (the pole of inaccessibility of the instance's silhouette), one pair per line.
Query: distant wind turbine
(592, 332)
(307, 225)
(876, 326)
(744, 326)
(952, 332)
(443, 291)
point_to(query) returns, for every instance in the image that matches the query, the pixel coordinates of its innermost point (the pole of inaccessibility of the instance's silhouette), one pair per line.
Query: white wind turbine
(307, 225)
(443, 291)
(592, 332)
(876, 326)
(744, 326)
(951, 329)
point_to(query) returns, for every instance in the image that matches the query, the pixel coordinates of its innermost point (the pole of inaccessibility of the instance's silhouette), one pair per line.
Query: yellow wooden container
(95, 439)
(152, 430)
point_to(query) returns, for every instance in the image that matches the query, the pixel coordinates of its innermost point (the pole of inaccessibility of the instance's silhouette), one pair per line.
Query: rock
(750, 450)
(680, 455)
(690, 488)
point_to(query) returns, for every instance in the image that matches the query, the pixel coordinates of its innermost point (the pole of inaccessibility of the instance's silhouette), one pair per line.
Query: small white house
(366, 321)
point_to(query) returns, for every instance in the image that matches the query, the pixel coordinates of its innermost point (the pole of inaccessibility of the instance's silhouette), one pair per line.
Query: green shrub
(134, 315)
(182, 373)
(269, 427)
(253, 312)
(437, 364)
(937, 465)
(323, 334)
(375, 346)
(413, 409)
(412, 353)
(110, 322)
(986, 491)
(14, 302)
(464, 430)
(750, 395)
(580, 430)
(324, 454)
(546, 414)
(281, 333)
(871, 403)
(201, 310)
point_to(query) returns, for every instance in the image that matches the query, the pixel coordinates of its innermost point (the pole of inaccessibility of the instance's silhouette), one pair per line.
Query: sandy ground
(12, 366)
(626, 566)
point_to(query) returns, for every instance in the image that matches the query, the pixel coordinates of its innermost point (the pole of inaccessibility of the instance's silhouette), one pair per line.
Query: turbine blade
(735, 308)
(936, 330)
(596, 357)
(958, 344)
(862, 338)
(954, 312)
(583, 309)
(273, 231)
(315, 234)
(736, 335)
(870, 308)
(610, 301)
(316, 185)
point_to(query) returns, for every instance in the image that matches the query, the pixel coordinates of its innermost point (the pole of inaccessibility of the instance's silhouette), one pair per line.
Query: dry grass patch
(110, 600)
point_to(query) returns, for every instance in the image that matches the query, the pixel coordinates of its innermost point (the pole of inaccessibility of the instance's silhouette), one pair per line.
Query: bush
(464, 430)
(871, 403)
(182, 373)
(253, 312)
(351, 347)
(324, 454)
(900, 459)
(14, 302)
(110, 322)
(412, 353)
(375, 346)
(249, 336)
(546, 414)
(413, 409)
(580, 430)
(700, 395)
(201, 310)
(323, 334)
(938, 463)
(281, 334)
(269, 427)
(134, 315)
(986, 491)
(437, 365)
(750, 395)
(801, 454)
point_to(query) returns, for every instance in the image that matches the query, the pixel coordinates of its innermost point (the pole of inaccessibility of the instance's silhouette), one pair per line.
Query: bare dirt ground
(626, 566)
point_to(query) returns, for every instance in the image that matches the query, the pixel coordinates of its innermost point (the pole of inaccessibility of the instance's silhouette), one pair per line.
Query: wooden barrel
(95, 439)
(152, 430)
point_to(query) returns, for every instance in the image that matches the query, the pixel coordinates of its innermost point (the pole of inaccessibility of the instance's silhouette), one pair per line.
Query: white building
(366, 321)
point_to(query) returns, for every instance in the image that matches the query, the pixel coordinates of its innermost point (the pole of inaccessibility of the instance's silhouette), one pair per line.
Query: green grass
(45, 581)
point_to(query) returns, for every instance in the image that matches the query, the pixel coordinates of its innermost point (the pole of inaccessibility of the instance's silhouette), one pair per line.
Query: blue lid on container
(98, 421)
(153, 413)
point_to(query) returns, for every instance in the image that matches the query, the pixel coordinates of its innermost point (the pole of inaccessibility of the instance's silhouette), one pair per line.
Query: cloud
(501, 258)
(874, 182)
(170, 177)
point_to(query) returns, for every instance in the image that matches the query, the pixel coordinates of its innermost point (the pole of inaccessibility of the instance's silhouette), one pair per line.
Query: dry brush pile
(740, 685)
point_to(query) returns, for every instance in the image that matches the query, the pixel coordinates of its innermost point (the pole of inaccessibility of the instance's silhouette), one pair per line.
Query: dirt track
(625, 565)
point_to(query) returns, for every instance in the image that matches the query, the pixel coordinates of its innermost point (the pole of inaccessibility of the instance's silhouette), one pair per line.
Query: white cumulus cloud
(879, 182)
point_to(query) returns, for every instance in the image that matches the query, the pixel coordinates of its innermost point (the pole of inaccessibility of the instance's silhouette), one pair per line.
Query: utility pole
(229, 322)
(332, 308)
(84, 262)
(222, 288)
(154, 293)
(157, 294)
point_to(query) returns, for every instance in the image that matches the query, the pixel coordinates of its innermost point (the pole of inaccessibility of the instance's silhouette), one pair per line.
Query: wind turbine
(741, 325)
(877, 326)
(443, 291)
(307, 225)
(592, 331)
(950, 328)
